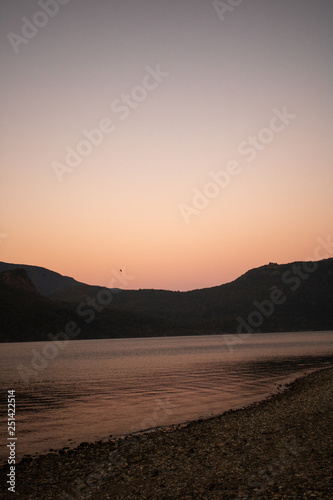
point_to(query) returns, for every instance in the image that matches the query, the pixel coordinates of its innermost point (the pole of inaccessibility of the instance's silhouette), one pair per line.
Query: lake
(87, 390)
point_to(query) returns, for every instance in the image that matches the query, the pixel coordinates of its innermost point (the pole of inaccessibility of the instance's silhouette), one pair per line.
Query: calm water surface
(96, 388)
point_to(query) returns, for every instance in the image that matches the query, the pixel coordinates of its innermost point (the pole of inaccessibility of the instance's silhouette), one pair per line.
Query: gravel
(279, 448)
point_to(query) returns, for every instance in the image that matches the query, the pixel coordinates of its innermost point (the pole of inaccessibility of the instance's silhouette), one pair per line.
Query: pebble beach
(279, 448)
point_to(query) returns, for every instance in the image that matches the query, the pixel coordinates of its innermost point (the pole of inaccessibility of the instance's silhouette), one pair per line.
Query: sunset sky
(183, 92)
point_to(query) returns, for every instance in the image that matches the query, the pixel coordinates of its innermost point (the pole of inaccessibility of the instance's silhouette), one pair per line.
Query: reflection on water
(96, 388)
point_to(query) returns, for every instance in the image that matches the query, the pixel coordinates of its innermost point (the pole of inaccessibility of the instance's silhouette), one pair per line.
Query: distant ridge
(271, 298)
(17, 278)
(45, 281)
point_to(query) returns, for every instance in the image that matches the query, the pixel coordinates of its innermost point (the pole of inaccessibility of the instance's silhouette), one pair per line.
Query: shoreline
(198, 333)
(277, 446)
(68, 444)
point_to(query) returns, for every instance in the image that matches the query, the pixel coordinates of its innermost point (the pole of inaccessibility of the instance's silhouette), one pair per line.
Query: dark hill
(44, 280)
(305, 301)
(27, 316)
(17, 278)
(288, 297)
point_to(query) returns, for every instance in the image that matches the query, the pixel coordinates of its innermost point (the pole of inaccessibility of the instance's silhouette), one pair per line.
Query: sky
(183, 142)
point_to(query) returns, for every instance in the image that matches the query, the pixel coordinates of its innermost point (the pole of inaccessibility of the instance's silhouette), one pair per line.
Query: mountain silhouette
(272, 298)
